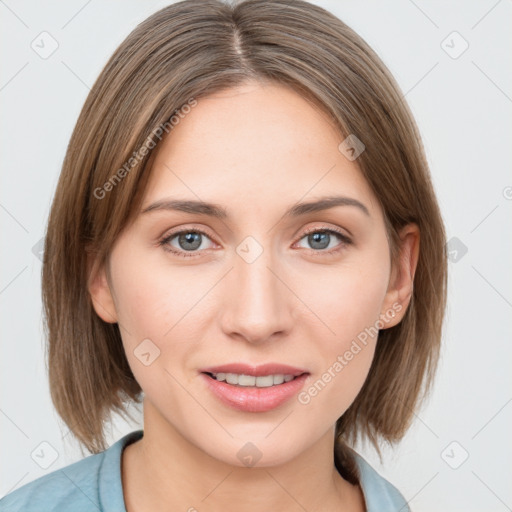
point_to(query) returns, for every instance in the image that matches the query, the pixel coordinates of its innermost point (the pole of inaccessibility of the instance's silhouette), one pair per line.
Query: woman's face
(268, 281)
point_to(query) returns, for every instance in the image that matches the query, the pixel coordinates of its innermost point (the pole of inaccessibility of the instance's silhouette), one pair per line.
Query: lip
(256, 371)
(252, 398)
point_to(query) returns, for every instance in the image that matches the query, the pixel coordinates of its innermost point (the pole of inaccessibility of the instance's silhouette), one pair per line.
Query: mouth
(251, 389)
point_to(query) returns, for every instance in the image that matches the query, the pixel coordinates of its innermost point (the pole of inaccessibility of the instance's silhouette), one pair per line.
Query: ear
(401, 282)
(100, 291)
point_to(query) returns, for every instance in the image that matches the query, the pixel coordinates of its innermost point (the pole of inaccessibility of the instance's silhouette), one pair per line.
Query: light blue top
(93, 484)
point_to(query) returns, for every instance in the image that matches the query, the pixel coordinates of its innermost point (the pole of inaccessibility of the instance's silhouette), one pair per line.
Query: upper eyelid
(338, 231)
(304, 231)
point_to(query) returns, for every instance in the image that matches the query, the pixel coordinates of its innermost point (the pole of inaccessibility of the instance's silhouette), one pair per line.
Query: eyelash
(346, 241)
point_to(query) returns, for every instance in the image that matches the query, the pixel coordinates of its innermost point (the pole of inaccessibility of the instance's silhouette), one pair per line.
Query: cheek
(156, 305)
(152, 297)
(344, 358)
(348, 300)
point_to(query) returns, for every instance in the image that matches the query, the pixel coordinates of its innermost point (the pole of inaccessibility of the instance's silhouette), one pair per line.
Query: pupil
(315, 239)
(190, 238)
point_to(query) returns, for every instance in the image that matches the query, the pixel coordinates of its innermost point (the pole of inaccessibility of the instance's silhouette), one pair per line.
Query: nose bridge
(258, 305)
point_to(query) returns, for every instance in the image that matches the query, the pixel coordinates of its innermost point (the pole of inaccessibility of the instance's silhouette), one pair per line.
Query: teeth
(249, 380)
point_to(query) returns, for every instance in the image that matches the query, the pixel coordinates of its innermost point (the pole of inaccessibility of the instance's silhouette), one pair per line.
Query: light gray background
(463, 107)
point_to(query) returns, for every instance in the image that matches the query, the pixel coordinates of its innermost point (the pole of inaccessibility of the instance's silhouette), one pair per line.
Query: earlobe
(100, 292)
(401, 284)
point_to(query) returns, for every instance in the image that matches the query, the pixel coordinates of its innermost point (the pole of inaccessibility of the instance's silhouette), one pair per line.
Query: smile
(252, 381)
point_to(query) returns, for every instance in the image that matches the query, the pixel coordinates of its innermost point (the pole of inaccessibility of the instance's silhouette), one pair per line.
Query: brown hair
(186, 51)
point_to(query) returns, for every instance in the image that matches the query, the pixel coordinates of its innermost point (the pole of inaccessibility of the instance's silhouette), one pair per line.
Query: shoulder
(75, 484)
(80, 487)
(380, 494)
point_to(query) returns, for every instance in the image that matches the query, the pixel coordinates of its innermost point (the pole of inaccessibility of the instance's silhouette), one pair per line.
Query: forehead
(256, 145)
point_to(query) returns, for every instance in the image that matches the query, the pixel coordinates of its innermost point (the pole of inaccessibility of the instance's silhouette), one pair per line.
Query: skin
(256, 150)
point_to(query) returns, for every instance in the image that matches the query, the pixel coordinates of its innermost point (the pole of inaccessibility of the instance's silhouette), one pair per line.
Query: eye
(320, 239)
(188, 241)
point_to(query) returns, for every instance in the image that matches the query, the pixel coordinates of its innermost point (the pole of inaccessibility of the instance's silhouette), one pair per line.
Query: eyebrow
(215, 210)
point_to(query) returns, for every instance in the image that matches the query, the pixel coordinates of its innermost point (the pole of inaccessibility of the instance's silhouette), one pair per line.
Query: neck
(164, 471)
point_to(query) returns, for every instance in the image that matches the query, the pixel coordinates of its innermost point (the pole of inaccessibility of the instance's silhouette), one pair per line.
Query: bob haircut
(186, 51)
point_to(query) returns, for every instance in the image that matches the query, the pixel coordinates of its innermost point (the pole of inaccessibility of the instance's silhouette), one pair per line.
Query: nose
(257, 305)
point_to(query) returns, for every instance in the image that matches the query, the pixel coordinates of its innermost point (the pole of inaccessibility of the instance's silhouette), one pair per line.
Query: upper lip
(256, 371)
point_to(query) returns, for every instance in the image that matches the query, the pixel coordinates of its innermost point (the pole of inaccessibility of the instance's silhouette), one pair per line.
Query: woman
(235, 242)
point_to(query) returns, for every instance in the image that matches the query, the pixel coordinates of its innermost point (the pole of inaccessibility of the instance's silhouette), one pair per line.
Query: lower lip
(254, 399)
